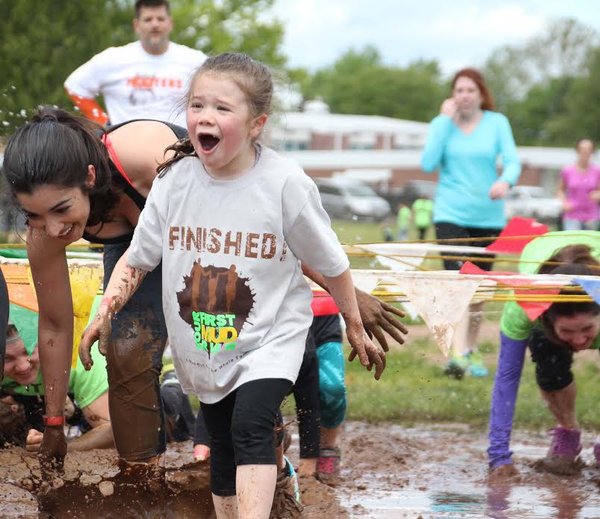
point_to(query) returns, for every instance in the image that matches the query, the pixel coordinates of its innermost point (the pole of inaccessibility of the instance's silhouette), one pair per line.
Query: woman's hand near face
(499, 189)
(448, 107)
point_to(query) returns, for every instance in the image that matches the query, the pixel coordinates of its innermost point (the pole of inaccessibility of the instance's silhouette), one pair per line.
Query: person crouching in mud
(564, 329)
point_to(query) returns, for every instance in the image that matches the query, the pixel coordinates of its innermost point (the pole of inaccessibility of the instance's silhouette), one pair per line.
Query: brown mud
(388, 471)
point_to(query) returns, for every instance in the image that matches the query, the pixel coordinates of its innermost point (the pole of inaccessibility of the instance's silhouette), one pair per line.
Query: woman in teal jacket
(464, 143)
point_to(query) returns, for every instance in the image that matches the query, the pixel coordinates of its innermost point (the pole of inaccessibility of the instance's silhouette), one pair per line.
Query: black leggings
(446, 231)
(242, 430)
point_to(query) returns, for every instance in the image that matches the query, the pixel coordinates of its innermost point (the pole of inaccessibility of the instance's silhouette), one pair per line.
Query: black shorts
(446, 231)
(552, 362)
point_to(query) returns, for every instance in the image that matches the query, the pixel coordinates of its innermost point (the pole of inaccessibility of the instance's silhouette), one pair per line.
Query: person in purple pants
(561, 331)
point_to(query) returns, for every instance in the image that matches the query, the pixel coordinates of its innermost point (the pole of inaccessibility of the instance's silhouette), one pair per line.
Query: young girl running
(230, 221)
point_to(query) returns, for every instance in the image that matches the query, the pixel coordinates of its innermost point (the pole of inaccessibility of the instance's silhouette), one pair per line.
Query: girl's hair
(55, 148)
(575, 260)
(487, 100)
(252, 78)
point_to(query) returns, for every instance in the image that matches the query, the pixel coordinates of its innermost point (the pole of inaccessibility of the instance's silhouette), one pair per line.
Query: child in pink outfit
(579, 190)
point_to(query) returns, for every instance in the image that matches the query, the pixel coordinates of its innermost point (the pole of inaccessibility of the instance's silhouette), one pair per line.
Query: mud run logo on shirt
(215, 302)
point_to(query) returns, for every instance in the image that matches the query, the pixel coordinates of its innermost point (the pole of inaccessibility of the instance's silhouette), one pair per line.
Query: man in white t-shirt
(145, 79)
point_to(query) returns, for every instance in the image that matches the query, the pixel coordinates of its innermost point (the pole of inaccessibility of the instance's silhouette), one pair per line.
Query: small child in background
(403, 221)
(422, 210)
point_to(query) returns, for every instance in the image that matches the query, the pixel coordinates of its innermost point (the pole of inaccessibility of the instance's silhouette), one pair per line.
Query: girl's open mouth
(208, 141)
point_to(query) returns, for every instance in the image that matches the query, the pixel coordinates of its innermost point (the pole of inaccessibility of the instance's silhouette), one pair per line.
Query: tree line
(549, 86)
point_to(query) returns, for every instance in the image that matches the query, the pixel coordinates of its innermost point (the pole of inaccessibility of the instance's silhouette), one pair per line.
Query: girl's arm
(48, 263)
(123, 283)
(369, 354)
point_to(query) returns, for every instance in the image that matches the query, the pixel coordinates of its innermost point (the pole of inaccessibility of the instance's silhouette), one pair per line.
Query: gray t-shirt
(236, 303)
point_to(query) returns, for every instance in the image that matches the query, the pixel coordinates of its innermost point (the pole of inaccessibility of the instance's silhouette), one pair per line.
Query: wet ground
(389, 471)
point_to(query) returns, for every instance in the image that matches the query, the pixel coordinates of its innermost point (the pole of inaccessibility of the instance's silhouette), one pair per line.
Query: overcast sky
(455, 32)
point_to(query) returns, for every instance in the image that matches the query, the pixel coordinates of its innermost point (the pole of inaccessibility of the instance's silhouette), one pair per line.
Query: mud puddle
(443, 474)
(388, 471)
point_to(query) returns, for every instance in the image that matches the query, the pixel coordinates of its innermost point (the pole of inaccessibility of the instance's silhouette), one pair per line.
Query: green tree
(42, 42)
(582, 115)
(359, 83)
(216, 26)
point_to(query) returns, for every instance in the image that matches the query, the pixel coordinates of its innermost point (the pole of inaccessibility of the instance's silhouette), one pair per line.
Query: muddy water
(443, 475)
(388, 471)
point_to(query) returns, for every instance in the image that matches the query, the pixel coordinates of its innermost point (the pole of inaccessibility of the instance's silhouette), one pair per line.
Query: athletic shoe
(562, 454)
(457, 366)
(328, 466)
(286, 501)
(597, 452)
(476, 366)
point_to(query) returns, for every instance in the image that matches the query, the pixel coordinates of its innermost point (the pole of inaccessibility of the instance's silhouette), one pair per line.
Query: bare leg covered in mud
(561, 404)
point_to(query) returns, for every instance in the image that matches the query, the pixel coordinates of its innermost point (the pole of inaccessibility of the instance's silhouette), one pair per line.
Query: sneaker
(597, 452)
(286, 501)
(328, 466)
(457, 366)
(562, 454)
(314, 492)
(476, 366)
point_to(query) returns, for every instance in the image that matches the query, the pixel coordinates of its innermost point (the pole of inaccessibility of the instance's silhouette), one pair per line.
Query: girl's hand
(499, 189)
(448, 107)
(367, 351)
(98, 330)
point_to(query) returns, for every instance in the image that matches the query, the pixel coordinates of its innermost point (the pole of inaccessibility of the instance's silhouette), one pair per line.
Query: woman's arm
(439, 130)
(511, 164)
(48, 263)
(504, 398)
(342, 290)
(101, 436)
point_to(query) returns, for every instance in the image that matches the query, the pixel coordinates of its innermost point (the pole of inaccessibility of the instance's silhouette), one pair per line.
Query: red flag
(533, 309)
(519, 231)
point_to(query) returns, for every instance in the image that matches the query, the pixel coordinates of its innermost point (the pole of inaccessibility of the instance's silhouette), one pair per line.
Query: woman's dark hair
(487, 100)
(573, 260)
(55, 148)
(252, 77)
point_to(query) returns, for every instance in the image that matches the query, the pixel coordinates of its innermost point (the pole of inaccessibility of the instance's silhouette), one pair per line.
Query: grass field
(414, 389)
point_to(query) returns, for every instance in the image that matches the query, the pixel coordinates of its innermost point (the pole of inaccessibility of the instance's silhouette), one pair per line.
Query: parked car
(532, 202)
(415, 189)
(344, 198)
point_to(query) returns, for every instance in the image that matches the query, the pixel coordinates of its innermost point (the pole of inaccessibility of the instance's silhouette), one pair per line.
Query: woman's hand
(499, 189)
(53, 450)
(449, 107)
(369, 354)
(98, 330)
(379, 317)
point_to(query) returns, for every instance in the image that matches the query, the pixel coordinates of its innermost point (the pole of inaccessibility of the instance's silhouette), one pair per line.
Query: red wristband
(54, 421)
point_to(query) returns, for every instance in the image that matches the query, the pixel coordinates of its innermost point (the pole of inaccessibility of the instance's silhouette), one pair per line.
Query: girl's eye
(196, 105)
